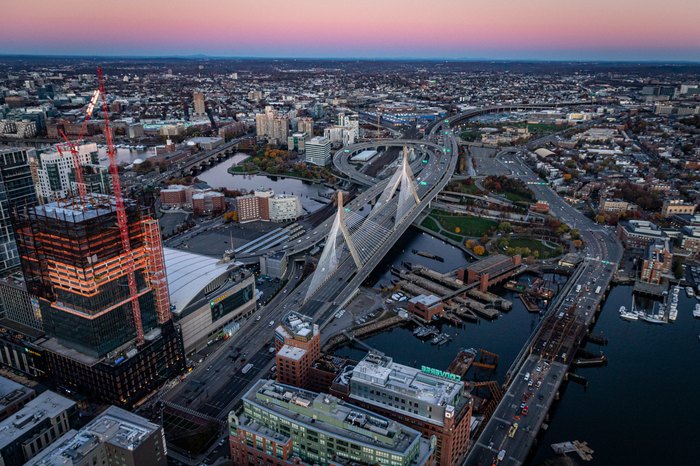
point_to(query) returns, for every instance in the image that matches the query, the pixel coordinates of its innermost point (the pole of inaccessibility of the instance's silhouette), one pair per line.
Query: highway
(538, 375)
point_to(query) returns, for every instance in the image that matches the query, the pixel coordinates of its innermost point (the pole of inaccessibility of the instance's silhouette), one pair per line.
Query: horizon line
(357, 58)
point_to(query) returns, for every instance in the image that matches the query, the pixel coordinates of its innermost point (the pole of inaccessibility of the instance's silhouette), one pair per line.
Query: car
(522, 405)
(525, 411)
(257, 319)
(530, 383)
(272, 322)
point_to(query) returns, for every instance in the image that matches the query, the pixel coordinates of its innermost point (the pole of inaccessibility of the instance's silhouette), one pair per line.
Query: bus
(246, 368)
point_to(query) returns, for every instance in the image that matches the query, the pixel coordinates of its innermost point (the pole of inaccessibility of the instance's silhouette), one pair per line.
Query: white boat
(689, 291)
(696, 311)
(627, 315)
(651, 318)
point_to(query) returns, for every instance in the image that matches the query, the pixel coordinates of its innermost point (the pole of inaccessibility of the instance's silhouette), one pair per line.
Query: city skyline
(389, 29)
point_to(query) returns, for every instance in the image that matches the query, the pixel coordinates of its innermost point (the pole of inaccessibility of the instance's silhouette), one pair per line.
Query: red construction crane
(121, 213)
(77, 167)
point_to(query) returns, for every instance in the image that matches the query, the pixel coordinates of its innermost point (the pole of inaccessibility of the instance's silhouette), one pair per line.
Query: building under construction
(102, 339)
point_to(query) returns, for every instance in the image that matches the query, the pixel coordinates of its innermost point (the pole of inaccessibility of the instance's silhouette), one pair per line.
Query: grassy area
(536, 245)
(430, 224)
(515, 197)
(465, 188)
(453, 236)
(468, 226)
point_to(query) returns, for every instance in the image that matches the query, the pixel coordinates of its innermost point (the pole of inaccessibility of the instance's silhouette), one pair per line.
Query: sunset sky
(456, 29)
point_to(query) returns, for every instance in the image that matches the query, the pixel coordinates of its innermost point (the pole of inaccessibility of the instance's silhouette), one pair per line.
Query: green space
(544, 251)
(468, 225)
(430, 224)
(464, 187)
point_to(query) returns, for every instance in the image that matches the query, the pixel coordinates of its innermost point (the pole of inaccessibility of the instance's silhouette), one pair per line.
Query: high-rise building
(271, 126)
(199, 108)
(75, 263)
(298, 345)
(16, 189)
(56, 173)
(318, 151)
(430, 401)
(115, 437)
(305, 125)
(284, 208)
(285, 425)
(17, 306)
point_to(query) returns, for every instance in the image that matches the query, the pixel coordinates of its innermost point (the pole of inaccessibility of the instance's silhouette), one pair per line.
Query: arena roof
(189, 274)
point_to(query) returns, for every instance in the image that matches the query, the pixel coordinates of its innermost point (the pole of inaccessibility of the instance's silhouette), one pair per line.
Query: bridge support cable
(332, 251)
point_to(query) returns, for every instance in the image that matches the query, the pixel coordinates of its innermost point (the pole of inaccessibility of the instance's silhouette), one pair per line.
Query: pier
(582, 448)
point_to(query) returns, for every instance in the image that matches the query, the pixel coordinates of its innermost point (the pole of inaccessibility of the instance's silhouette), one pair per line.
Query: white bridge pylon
(404, 182)
(363, 236)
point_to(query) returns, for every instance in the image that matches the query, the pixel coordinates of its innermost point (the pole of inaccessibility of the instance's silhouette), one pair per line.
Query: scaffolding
(156, 269)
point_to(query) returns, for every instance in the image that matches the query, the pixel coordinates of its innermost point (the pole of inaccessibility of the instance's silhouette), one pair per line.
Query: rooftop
(115, 426)
(291, 352)
(381, 371)
(425, 299)
(11, 391)
(327, 413)
(189, 274)
(495, 262)
(297, 326)
(76, 212)
(47, 405)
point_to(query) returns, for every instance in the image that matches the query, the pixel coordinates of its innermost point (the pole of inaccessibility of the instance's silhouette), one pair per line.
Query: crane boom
(121, 213)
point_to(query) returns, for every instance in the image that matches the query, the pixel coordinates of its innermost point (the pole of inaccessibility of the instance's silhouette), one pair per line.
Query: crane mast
(122, 220)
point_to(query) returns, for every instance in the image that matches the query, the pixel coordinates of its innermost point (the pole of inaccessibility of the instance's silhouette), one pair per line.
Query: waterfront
(636, 410)
(219, 177)
(639, 409)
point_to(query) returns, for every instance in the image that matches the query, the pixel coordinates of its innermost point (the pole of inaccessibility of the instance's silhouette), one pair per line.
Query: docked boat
(696, 311)
(689, 291)
(628, 315)
(651, 318)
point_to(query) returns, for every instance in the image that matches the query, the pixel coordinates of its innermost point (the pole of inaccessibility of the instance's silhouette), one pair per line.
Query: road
(551, 349)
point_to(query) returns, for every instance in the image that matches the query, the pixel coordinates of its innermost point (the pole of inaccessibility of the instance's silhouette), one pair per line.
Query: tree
(505, 227)
(484, 239)
(469, 243)
(479, 250)
(577, 243)
(575, 233)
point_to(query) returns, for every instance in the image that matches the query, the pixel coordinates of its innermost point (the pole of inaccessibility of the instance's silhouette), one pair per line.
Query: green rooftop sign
(439, 373)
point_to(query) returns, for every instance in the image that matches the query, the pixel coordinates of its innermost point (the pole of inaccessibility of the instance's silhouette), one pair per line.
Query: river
(219, 177)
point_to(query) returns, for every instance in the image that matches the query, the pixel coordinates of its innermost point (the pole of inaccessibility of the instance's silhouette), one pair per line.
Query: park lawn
(515, 197)
(430, 224)
(468, 225)
(536, 245)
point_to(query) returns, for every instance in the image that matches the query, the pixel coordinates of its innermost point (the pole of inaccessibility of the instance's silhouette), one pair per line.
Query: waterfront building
(208, 202)
(433, 402)
(284, 208)
(285, 425)
(657, 262)
(318, 151)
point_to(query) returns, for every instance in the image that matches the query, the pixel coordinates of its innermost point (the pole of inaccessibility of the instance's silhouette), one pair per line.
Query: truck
(578, 288)
(246, 368)
(597, 290)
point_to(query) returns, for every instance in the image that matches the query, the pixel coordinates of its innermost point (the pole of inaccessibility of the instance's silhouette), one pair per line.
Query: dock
(462, 362)
(530, 305)
(582, 448)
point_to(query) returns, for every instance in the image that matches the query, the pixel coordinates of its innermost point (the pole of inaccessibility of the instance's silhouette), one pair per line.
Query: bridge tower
(403, 181)
(330, 257)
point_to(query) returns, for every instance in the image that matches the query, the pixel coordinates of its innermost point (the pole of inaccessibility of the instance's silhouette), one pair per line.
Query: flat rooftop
(11, 391)
(114, 426)
(47, 405)
(496, 263)
(291, 352)
(77, 211)
(327, 413)
(297, 326)
(381, 371)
